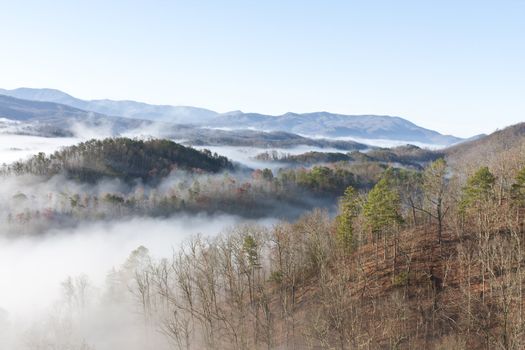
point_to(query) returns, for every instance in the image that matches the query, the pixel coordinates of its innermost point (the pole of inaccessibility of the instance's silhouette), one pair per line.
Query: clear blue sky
(455, 66)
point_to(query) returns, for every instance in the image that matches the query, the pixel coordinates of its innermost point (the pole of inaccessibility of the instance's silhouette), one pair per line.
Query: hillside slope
(122, 158)
(508, 140)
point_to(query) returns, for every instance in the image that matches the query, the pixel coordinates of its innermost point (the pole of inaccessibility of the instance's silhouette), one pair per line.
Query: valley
(272, 226)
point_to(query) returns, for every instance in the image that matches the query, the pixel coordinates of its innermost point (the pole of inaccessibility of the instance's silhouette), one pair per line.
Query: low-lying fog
(245, 155)
(386, 143)
(32, 268)
(16, 147)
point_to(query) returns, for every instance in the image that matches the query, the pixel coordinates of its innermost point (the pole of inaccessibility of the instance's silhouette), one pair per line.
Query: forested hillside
(499, 144)
(409, 155)
(121, 158)
(420, 251)
(423, 260)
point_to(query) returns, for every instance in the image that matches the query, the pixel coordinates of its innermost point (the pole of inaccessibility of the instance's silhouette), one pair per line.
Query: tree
(408, 184)
(382, 214)
(267, 174)
(434, 187)
(252, 251)
(478, 190)
(518, 189)
(518, 196)
(477, 198)
(348, 211)
(382, 207)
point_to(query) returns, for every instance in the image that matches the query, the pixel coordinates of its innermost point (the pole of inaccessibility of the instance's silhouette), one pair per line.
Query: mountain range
(51, 119)
(312, 125)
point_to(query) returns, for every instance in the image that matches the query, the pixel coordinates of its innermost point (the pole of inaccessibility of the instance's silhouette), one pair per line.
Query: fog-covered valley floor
(16, 147)
(44, 261)
(69, 249)
(34, 268)
(54, 285)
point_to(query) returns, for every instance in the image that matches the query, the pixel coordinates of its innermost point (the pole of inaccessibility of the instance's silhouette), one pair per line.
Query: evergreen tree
(382, 208)
(251, 249)
(518, 189)
(478, 190)
(348, 211)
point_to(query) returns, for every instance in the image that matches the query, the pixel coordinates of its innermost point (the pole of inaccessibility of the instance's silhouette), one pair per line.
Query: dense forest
(258, 193)
(407, 156)
(122, 158)
(116, 178)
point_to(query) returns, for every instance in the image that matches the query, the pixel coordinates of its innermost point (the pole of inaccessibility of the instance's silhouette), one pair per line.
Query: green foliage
(348, 211)
(407, 183)
(267, 174)
(407, 155)
(20, 197)
(518, 189)
(122, 158)
(434, 175)
(320, 179)
(276, 276)
(401, 279)
(382, 207)
(311, 157)
(478, 190)
(113, 198)
(251, 250)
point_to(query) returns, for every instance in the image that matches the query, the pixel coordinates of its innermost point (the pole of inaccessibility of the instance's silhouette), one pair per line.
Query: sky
(455, 66)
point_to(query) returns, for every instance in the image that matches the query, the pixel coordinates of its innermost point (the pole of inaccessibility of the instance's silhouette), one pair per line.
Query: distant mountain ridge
(317, 124)
(325, 124)
(50, 119)
(55, 116)
(128, 109)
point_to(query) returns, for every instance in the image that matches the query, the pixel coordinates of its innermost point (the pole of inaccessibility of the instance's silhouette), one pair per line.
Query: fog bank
(32, 267)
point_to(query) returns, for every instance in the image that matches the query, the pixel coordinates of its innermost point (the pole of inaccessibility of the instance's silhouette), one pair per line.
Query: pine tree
(382, 208)
(478, 190)
(382, 214)
(518, 189)
(348, 211)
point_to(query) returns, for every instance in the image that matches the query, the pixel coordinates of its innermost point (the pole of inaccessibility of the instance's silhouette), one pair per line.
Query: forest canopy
(123, 158)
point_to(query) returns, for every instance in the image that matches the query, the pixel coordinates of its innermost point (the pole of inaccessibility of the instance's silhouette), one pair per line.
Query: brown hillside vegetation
(424, 260)
(484, 149)
(420, 259)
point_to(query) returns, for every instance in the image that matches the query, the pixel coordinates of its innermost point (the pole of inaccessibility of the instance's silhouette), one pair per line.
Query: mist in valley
(57, 262)
(265, 175)
(33, 296)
